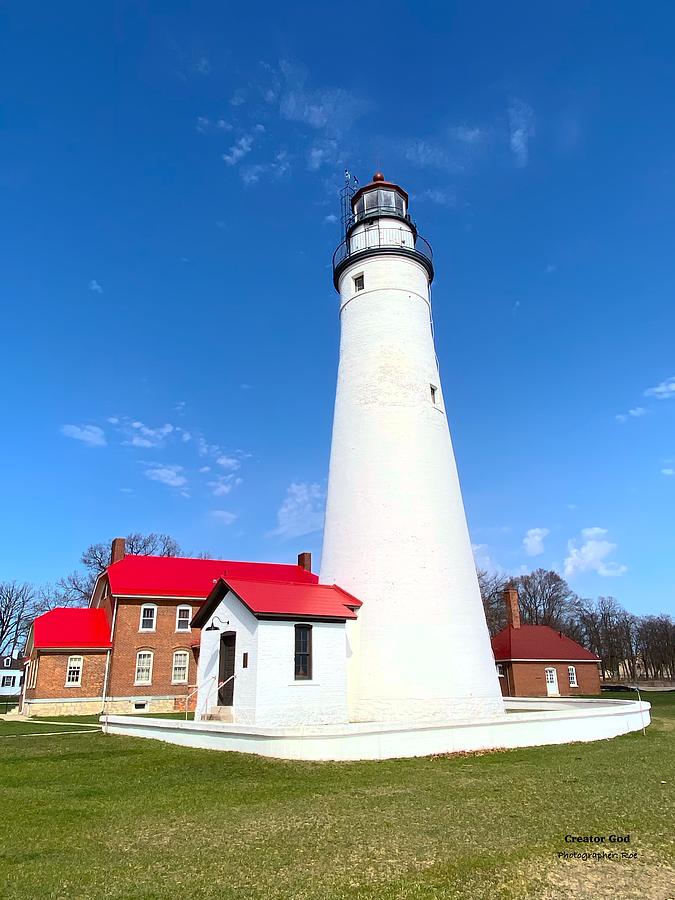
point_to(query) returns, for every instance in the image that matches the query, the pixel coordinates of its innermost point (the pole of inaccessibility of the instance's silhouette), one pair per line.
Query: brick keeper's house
(133, 649)
(538, 661)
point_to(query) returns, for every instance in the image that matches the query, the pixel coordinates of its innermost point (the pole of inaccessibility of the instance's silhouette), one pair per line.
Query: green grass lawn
(112, 817)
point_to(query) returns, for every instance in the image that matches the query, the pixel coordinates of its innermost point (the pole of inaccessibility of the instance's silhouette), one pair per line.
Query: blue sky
(169, 177)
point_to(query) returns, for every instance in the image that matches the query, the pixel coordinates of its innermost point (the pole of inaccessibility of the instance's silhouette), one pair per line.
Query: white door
(552, 683)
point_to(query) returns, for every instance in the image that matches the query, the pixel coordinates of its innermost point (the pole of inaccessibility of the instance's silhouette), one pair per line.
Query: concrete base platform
(528, 722)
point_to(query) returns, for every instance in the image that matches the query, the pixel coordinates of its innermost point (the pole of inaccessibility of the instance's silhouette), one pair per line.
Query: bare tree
(492, 585)
(545, 599)
(18, 606)
(76, 589)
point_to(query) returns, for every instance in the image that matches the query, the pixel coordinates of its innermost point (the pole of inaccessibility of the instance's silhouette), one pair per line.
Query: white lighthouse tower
(396, 533)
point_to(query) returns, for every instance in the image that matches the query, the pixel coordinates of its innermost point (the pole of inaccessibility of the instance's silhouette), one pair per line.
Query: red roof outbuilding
(66, 628)
(540, 642)
(283, 600)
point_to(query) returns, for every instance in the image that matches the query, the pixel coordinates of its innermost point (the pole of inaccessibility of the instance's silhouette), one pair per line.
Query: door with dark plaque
(226, 669)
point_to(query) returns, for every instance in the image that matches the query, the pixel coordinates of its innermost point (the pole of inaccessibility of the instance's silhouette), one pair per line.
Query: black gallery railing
(383, 238)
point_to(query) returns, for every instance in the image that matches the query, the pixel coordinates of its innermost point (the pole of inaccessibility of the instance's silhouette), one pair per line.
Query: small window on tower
(358, 283)
(434, 392)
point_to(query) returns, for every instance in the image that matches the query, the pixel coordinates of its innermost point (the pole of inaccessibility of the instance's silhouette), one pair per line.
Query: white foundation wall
(396, 534)
(245, 626)
(281, 700)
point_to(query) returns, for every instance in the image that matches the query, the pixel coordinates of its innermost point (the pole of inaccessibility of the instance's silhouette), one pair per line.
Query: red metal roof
(81, 629)
(283, 600)
(176, 576)
(537, 642)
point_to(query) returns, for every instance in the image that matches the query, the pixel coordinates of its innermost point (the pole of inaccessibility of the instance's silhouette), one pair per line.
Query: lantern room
(379, 198)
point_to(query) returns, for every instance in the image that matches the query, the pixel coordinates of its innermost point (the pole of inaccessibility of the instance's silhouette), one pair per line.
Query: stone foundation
(55, 708)
(122, 706)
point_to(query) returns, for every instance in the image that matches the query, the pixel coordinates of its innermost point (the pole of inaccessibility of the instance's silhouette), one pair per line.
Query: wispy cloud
(636, 413)
(223, 484)
(440, 196)
(171, 475)
(668, 471)
(301, 511)
(467, 135)
(238, 150)
(663, 391)
(141, 435)
(203, 65)
(95, 286)
(277, 168)
(331, 109)
(533, 542)
(481, 556)
(590, 554)
(91, 435)
(521, 130)
(222, 515)
(230, 463)
(430, 154)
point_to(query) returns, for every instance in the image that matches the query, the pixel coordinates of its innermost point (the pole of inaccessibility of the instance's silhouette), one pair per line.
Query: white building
(274, 653)
(11, 674)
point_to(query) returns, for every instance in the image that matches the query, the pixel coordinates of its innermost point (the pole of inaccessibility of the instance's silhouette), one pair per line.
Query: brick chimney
(510, 595)
(117, 551)
(305, 561)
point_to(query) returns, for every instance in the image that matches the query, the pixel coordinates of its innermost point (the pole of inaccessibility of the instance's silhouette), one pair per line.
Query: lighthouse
(396, 534)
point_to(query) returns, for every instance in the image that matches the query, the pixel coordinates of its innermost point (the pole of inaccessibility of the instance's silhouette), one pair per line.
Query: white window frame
(355, 279)
(7, 663)
(153, 607)
(9, 681)
(175, 680)
(74, 665)
(184, 606)
(572, 676)
(500, 669)
(137, 681)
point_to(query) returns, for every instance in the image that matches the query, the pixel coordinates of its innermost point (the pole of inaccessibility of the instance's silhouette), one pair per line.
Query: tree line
(629, 646)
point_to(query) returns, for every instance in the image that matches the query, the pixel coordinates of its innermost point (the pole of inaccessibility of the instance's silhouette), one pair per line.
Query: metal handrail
(390, 239)
(218, 687)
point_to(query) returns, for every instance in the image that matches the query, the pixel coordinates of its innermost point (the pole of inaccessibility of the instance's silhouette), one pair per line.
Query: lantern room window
(382, 201)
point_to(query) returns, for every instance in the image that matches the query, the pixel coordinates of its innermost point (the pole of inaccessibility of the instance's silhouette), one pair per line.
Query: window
(148, 617)
(359, 283)
(572, 672)
(141, 704)
(143, 667)
(303, 652)
(74, 671)
(7, 662)
(244, 663)
(183, 618)
(180, 667)
(434, 392)
(8, 680)
(500, 670)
